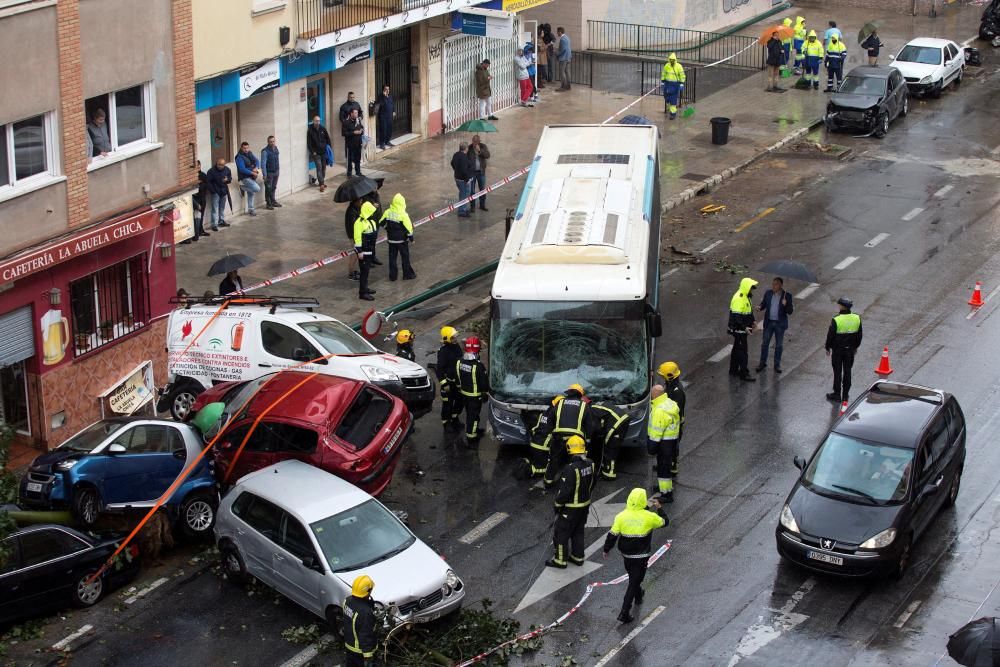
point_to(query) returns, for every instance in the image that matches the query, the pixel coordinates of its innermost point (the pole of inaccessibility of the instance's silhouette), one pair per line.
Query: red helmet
(472, 345)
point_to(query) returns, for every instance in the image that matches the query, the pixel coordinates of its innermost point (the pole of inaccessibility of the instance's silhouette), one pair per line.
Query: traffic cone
(977, 295)
(883, 367)
(843, 407)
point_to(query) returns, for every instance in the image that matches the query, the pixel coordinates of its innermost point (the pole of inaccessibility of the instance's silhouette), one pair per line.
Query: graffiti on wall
(730, 5)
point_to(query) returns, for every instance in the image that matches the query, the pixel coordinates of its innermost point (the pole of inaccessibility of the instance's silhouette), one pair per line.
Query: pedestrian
(347, 107)
(199, 203)
(542, 57)
(353, 131)
(550, 52)
(671, 374)
(564, 54)
(183, 299)
(814, 56)
(843, 339)
(836, 56)
(360, 623)
(386, 111)
(741, 325)
(218, 179)
(798, 42)
(232, 283)
(672, 77)
(831, 32)
(404, 345)
(317, 143)
(399, 234)
(479, 154)
(775, 56)
(662, 431)
(523, 80)
(247, 172)
(569, 415)
(365, 234)
(484, 90)
(776, 304)
(462, 167)
(472, 380)
(873, 45)
(786, 45)
(270, 167)
(632, 530)
(529, 55)
(572, 505)
(611, 423)
(448, 355)
(350, 215)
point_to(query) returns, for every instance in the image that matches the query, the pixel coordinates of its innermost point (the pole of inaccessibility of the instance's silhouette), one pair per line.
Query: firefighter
(842, 340)
(576, 480)
(671, 374)
(570, 415)
(611, 423)
(404, 345)
(662, 431)
(540, 427)
(633, 530)
(473, 385)
(360, 623)
(451, 402)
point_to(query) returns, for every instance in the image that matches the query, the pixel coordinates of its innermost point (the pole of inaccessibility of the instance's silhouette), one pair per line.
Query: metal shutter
(461, 55)
(17, 336)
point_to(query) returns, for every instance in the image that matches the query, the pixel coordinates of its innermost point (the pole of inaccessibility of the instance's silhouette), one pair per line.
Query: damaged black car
(868, 100)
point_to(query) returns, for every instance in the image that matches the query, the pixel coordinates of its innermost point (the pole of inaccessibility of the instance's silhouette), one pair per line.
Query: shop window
(119, 121)
(221, 127)
(25, 151)
(14, 395)
(109, 304)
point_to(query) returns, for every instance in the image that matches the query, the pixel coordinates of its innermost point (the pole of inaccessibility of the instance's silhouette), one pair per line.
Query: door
(259, 540)
(11, 580)
(461, 55)
(284, 346)
(316, 104)
(392, 66)
(293, 578)
(147, 466)
(257, 453)
(50, 566)
(891, 97)
(934, 457)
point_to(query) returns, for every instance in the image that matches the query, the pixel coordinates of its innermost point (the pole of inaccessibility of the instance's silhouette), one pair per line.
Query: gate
(461, 55)
(392, 66)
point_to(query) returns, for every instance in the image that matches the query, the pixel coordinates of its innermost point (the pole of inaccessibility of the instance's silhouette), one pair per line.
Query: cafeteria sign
(259, 78)
(131, 392)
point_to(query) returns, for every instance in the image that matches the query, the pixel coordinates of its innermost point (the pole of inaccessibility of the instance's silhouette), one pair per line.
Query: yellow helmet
(672, 57)
(812, 33)
(448, 334)
(362, 586)
(404, 336)
(576, 445)
(669, 369)
(577, 388)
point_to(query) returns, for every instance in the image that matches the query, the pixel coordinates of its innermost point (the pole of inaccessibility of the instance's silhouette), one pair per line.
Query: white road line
(969, 41)
(806, 291)
(672, 271)
(629, 637)
(878, 239)
(943, 191)
(778, 621)
(488, 524)
(307, 654)
(905, 616)
(147, 590)
(985, 301)
(845, 263)
(64, 643)
(912, 214)
(721, 354)
(711, 246)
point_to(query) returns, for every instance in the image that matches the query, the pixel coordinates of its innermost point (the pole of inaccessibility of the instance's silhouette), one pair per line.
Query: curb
(729, 172)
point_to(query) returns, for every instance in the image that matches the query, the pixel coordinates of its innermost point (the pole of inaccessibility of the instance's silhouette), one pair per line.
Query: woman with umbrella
(229, 265)
(868, 39)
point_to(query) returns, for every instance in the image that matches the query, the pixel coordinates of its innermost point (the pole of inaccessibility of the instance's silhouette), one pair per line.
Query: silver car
(308, 534)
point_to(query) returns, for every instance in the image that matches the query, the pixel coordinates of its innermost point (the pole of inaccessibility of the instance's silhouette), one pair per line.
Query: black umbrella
(356, 187)
(786, 268)
(230, 263)
(976, 644)
(638, 120)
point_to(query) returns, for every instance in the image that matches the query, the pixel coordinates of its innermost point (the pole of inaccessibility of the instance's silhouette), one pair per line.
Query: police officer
(741, 323)
(576, 480)
(671, 374)
(633, 530)
(404, 345)
(662, 431)
(365, 234)
(672, 77)
(473, 385)
(570, 415)
(843, 339)
(836, 56)
(360, 623)
(448, 354)
(611, 423)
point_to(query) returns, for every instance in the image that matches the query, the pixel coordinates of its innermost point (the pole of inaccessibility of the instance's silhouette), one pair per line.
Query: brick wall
(71, 112)
(187, 174)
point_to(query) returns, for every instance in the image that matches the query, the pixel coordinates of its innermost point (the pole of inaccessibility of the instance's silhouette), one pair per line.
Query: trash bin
(720, 130)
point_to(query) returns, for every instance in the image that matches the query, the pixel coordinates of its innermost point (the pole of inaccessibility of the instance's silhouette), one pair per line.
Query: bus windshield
(538, 348)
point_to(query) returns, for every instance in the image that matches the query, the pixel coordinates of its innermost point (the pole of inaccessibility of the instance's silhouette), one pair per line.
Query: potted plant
(82, 342)
(107, 329)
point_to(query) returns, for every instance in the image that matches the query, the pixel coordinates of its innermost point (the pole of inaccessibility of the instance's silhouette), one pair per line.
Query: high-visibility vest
(673, 72)
(813, 49)
(664, 419)
(847, 323)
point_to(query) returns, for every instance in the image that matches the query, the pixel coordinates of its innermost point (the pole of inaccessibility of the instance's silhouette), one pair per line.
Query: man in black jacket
(843, 339)
(353, 132)
(775, 53)
(479, 155)
(317, 139)
(199, 202)
(218, 179)
(463, 168)
(347, 107)
(776, 305)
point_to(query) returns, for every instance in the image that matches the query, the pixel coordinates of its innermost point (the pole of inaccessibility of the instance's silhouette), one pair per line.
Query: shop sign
(132, 391)
(521, 5)
(259, 78)
(183, 219)
(498, 26)
(353, 52)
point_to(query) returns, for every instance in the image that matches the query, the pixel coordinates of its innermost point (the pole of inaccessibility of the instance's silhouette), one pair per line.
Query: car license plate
(34, 487)
(826, 558)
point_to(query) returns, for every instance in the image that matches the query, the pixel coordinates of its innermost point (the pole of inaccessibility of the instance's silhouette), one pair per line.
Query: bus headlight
(508, 417)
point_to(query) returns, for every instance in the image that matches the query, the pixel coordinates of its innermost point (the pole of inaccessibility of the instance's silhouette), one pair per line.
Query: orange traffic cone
(883, 367)
(977, 295)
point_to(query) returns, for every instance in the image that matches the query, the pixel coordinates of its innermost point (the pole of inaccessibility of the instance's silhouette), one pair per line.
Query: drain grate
(691, 176)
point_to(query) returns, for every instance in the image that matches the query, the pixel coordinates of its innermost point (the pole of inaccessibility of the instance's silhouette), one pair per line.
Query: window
(11, 548)
(360, 536)
(151, 438)
(367, 414)
(937, 441)
(286, 342)
(956, 422)
(26, 151)
(119, 120)
(40, 546)
(109, 304)
(221, 129)
(294, 538)
(261, 515)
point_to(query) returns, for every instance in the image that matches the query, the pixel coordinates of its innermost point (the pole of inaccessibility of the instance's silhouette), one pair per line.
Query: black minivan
(888, 464)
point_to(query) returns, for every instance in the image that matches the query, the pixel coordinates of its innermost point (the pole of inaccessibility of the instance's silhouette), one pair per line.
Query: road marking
(845, 263)
(551, 579)
(912, 214)
(672, 271)
(875, 241)
(488, 524)
(905, 616)
(307, 654)
(943, 191)
(602, 512)
(806, 291)
(760, 634)
(763, 214)
(985, 301)
(969, 41)
(711, 246)
(721, 354)
(147, 590)
(629, 637)
(64, 643)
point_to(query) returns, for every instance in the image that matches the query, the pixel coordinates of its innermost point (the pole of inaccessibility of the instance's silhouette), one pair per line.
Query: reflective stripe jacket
(836, 54)
(740, 308)
(813, 49)
(633, 527)
(472, 378)
(673, 72)
(398, 227)
(575, 483)
(612, 422)
(800, 28)
(365, 229)
(664, 419)
(572, 416)
(359, 626)
(844, 332)
(447, 355)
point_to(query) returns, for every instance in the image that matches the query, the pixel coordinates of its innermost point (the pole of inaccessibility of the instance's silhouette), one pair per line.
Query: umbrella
(230, 263)
(638, 120)
(789, 269)
(476, 126)
(868, 29)
(784, 32)
(976, 644)
(355, 187)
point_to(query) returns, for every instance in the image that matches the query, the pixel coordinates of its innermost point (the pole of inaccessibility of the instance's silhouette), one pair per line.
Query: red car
(349, 428)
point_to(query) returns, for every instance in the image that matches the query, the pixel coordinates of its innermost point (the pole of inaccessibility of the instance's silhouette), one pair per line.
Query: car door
(891, 96)
(124, 473)
(900, 89)
(931, 490)
(167, 456)
(139, 472)
(954, 62)
(260, 451)
(259, 538)
(303, 584)
(49, 566)
(11, 580)
(284, 346)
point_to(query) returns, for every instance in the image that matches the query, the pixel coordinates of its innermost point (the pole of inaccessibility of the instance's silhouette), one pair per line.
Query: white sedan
(930, 64)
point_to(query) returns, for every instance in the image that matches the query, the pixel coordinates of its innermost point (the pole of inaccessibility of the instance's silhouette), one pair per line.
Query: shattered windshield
(538, 348)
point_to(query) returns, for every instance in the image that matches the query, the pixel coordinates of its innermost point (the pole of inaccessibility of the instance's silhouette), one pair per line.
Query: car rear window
(367, 414)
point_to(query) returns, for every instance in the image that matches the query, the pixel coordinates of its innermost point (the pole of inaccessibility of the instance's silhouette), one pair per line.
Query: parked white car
(929, 65)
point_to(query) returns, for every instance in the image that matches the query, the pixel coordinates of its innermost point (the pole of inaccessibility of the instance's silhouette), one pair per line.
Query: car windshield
(862, 471)
(361, 536)
(862, 85)
(337, 338)
(924, 55)
(92, 436)
(538, 348)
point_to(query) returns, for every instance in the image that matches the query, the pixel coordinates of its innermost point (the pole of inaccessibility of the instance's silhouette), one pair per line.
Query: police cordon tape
(591, 587)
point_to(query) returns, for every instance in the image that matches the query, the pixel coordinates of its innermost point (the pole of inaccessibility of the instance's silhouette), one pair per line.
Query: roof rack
(305, 302)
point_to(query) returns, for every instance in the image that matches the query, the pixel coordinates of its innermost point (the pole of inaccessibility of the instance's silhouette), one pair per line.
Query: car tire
(882, 125)
(937, 89)
(86, 593)
(233, 564)
(334, 620)
(905, 556)
(905, 109)
(829, 125)
(180, 399)
(86, 506)
(198, 514)
(949, 500)
(961, 75)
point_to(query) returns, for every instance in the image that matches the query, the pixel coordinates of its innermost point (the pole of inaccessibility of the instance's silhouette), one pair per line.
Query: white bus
(574, 299)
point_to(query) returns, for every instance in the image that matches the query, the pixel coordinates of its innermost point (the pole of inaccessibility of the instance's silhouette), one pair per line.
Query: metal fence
(319, 17)
(689, 45)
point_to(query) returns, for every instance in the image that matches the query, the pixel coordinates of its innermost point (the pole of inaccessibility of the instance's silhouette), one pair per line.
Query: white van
(254, 336)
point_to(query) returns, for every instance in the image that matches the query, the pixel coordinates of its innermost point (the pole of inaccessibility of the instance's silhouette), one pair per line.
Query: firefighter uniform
(632, 531)
(842, 340)
(576, 480)
(473, 385)
(541, 431)
(404, 345)
(611, 423)
(673, 388)
(836, 56)
(662, 431)
(570, 416)
(359, 624)
(451, 400)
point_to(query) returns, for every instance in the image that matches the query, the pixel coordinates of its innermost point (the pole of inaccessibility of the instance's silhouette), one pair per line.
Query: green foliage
(302, 634)
(8, 486)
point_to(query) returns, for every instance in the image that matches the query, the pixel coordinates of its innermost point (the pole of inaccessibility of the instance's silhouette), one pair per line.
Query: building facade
(97, 164)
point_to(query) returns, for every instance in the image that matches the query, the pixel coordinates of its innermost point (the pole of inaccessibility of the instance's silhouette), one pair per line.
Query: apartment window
(25, 151)
(109, 304)
(221, 128)
(119, 121)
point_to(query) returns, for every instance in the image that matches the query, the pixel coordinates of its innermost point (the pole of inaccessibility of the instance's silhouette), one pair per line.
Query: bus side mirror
(654, 323)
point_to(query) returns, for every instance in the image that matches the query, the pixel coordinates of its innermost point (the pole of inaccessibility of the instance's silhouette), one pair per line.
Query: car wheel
(882, 125)
(334, 619)
(952, 496)
(829, 125)
(937, 89)
(198, 514)
(905, 109)
(903, 561)
(86, 593)
(961, 75)
(180, 401)
(86, 506)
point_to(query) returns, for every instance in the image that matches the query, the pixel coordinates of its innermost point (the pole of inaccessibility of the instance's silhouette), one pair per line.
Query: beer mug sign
(55, 337)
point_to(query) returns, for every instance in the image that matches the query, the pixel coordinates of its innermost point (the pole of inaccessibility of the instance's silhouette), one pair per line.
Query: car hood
(851, 101)
(49, 459)
(398, 365)
(917, 70)
(396, 581)
(839, 520)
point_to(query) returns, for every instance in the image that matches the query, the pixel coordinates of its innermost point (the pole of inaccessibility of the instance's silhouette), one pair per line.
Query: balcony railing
(319, 17)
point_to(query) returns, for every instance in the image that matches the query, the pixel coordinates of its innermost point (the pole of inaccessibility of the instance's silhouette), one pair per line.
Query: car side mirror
(180, 454)
(310, 562)
(655, 324)
(799, 462)
(115, 448)
(892, 57)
